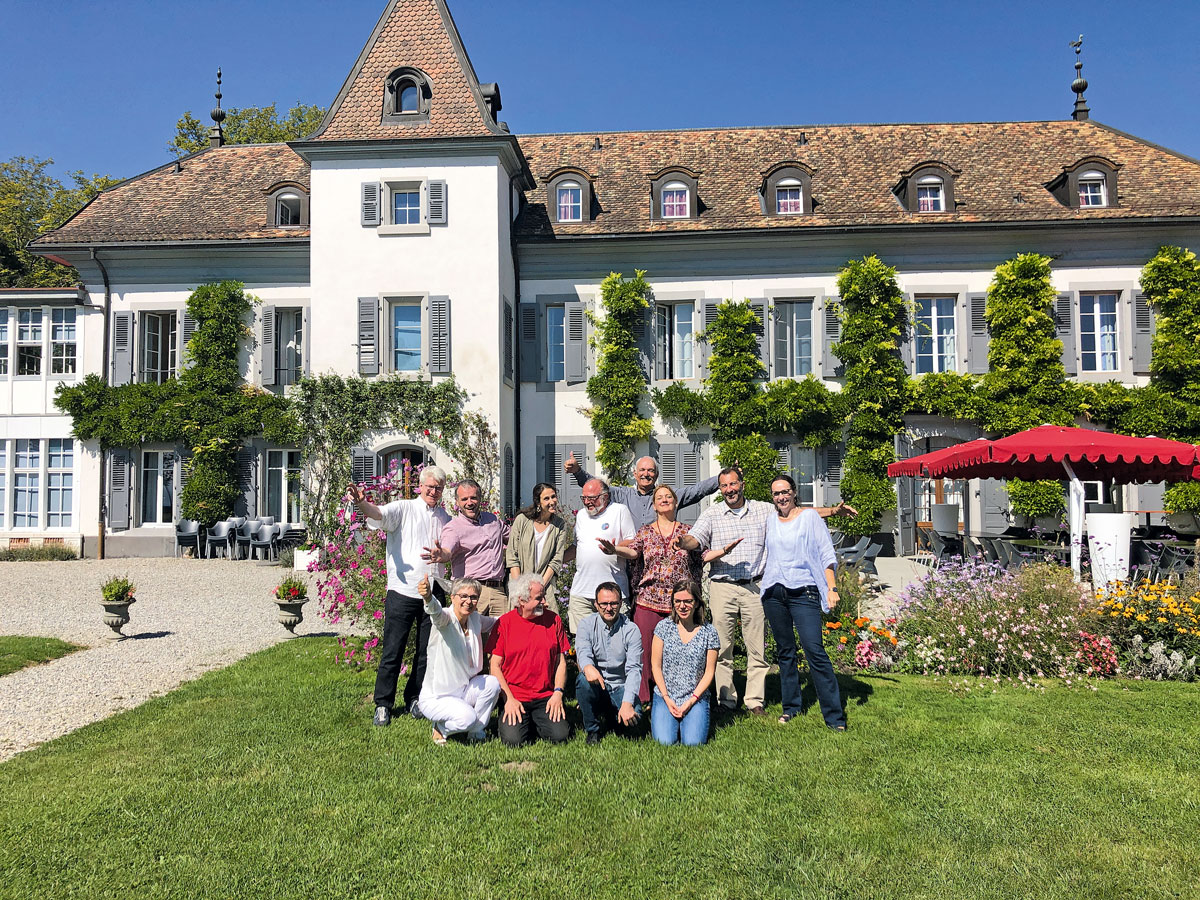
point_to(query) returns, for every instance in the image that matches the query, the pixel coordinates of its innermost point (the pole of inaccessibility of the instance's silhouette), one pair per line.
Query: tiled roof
(420, 34)
(1004, 169)
(218, 194)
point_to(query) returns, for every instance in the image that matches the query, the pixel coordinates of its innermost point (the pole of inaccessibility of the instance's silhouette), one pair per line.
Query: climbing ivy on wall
(616, 389)
(875, 322)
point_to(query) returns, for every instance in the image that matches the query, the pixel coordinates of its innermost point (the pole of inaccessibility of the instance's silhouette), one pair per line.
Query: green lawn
(17, 652)
(267, 779)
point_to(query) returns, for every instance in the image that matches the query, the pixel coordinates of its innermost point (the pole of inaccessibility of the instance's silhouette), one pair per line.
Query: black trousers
(535, 719)
(399, 615)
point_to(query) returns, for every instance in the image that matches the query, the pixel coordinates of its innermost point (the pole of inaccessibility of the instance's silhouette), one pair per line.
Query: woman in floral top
(684, 661)
(659, 563)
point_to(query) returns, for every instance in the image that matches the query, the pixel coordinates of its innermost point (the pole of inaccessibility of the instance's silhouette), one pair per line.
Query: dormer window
(1091, 183)
(929, 194)
(406, 97)
(287, 205)
(673, 195)
(786, 190)
(927, 188)
(675, 200)
(1092, 189)
(570, 202)
(569, 197)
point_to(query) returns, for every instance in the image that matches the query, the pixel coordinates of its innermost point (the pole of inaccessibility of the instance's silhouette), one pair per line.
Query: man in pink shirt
(473, 543)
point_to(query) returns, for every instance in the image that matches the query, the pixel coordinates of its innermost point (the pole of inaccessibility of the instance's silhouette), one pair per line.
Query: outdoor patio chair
(245, 534)
(291, 534)
(943, 549)
(220, 540)
(866, 564)
(849, 556)
(267, 520)
(1010, 556)
(990, 553)
(236, 522)
(264, 541)
(187, 534)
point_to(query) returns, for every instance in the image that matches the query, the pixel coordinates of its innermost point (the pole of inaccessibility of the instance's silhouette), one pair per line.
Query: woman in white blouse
(455, 696)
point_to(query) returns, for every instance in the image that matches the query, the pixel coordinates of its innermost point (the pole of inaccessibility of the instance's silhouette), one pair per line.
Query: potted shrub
(115, 596)
(1183, 507)
(304, 555)
(290, 596)
(1037, 503)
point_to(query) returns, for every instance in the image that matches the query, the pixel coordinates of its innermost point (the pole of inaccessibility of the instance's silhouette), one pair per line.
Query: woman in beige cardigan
(540, 538)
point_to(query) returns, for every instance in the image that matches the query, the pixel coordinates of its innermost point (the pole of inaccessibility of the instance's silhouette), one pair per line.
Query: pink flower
(378, 614)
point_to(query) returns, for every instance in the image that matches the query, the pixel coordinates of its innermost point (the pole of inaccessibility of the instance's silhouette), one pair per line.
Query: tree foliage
(1171, 281)
(247, 125)
(616, 389)
(33, 202)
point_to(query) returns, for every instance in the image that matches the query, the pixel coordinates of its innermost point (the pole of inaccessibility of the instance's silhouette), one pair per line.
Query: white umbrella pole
(1075, 504)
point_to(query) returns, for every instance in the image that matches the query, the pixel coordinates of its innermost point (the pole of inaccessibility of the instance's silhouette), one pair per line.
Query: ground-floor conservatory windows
(37, 483)
(158, 487)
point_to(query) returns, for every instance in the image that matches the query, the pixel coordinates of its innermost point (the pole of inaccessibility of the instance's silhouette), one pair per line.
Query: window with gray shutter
(436, 199)
(266, 345)
(364, 465)
(118, 490)
(1143, 333)
(977, 330)
(187, 327)
(710, 316)
(553, 455)
(831, 333)
(247, 472)
(908, 340)
(831, 473)
(122, 352)
(439, 335)
(372, 204)
(781, 317)
(530, 362)
(759, 307)
(1064, 330)
(576, 342)
(368, 336)
(509, 337)
(679, 467)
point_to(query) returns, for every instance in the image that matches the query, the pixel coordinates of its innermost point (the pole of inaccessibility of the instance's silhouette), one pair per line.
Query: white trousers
(465, 710)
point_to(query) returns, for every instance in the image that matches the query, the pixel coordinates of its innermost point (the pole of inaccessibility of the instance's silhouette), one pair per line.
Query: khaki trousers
(578, 609)
(730, 602)
(492, 602)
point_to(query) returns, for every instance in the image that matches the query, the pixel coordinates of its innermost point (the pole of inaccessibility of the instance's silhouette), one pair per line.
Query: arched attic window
(673, 195)
(929, 188)
(287, 205)
(1090, 183)
(786, 190)
(406, 96)
(569, 197)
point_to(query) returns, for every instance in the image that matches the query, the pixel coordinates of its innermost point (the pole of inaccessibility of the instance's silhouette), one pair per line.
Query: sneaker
(594, 737)
(414, 710)
(383, 716)
(477, 737)
(757, 711)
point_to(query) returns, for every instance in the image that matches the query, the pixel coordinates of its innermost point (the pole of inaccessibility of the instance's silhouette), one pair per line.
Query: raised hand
(570, 464)
(435, 553)
(607, 546)
(845, 509)
(357, 493)
(729, 547)
(423, 587)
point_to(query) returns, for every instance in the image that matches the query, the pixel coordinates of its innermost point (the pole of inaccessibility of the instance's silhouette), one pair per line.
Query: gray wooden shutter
(652, 358)
(247, 472)
(576, 342)
(679, 467)
(183, 471)
(569, 492)
(118, 490)
(1064, 330)
(1150, 497)
(1143, 333)
(510, 488)
(782, 317)
(439, 335)
(364, 465)
(530, 362)
(908, 341)
(710, 316)
(306, 368)
(906, 508)
(831, 473)
(977, 330)
(372, 203)
(266, 345)
(187, 328)
(831, 333)
(122, 353)
(759, 307)
(436, 199)
(368, 336)
(994, 503)
(509, 338)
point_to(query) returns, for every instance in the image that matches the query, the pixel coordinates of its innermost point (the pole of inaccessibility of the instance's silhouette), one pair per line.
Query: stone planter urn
(291, 613)
(116, 616)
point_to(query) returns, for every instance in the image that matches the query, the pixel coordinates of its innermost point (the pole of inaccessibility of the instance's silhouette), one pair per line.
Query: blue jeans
(691, 730)
(599, 706)
(800, 608)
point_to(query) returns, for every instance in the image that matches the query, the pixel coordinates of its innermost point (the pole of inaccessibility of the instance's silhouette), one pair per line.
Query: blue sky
(99, 85)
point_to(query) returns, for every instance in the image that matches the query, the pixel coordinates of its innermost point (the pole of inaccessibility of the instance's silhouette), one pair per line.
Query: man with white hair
(639, 499)
(413, 529)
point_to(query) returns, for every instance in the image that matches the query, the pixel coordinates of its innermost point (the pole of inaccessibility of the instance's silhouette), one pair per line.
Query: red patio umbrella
(918, 465)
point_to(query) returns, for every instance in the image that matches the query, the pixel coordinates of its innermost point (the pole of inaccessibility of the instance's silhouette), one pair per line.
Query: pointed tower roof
(416, 37)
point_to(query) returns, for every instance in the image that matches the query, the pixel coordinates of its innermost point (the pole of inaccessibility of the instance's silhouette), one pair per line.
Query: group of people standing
(635, 608)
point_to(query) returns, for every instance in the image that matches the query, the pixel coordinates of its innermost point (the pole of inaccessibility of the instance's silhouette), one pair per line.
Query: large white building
(413, 233)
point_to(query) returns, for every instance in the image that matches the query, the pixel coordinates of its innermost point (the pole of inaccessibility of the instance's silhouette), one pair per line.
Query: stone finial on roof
(1079, 85)
(216, 135)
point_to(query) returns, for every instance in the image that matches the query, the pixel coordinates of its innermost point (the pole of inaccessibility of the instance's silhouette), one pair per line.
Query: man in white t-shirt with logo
(413, 529)
(593, 567)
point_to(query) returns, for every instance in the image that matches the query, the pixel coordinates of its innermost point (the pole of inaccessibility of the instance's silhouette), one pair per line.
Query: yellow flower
(1142, 617)
(1161, 619)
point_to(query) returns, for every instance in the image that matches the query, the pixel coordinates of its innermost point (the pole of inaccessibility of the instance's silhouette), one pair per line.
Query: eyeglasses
(592, 498)
(608, 604)
(684, 601)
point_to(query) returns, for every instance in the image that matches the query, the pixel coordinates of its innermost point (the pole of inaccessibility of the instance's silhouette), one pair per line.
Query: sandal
(785, 718)
(439, 738)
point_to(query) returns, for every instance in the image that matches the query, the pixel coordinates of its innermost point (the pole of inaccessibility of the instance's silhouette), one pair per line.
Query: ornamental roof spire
(1079, 85)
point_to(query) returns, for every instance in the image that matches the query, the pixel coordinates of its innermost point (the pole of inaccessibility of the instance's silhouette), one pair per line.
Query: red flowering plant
(291, 590)
(352, 573)
(855, 643)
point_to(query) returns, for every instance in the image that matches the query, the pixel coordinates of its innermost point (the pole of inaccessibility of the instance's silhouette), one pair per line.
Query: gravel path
(191, 616)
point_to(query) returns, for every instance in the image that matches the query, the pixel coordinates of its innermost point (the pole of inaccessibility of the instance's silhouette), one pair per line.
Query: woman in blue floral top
(683, 658)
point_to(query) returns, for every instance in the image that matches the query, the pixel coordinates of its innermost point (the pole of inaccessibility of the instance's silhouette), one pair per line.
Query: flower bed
(1153, 626)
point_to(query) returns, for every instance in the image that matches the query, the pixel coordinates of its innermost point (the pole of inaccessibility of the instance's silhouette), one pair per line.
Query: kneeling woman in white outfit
(455, 697)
